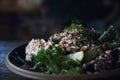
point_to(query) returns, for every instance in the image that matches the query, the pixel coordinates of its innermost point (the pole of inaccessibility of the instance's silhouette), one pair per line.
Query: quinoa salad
(75, 50)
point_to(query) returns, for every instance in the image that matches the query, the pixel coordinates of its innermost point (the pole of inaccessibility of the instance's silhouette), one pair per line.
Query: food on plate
(76, 50)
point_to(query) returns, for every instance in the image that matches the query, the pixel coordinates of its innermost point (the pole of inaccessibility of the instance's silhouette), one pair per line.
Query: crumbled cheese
(33, 47)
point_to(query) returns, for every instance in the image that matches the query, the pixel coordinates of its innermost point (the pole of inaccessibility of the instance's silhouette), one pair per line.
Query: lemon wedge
(78, 56)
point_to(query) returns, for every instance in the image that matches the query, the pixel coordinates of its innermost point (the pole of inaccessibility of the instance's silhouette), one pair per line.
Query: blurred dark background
(26, 19)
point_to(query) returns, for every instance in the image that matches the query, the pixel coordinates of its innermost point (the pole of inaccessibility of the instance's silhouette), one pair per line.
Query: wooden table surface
(5, 74)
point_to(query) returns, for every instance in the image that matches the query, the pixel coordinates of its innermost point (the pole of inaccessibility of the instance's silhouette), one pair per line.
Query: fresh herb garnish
(75, 25)
(54, 61)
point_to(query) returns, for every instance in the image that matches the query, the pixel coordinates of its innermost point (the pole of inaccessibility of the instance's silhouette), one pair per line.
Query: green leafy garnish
(110, 34)
(54, 39)
(75, 25)
(54, 61)
(91, 54)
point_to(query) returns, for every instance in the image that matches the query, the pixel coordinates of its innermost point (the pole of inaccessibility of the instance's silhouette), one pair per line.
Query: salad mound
(76, 50)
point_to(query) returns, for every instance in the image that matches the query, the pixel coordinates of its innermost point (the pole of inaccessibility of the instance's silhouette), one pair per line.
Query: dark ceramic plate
(15, 61)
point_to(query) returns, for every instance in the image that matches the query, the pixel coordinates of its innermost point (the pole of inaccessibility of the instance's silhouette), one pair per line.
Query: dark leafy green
(91, 54)
(110, 34)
